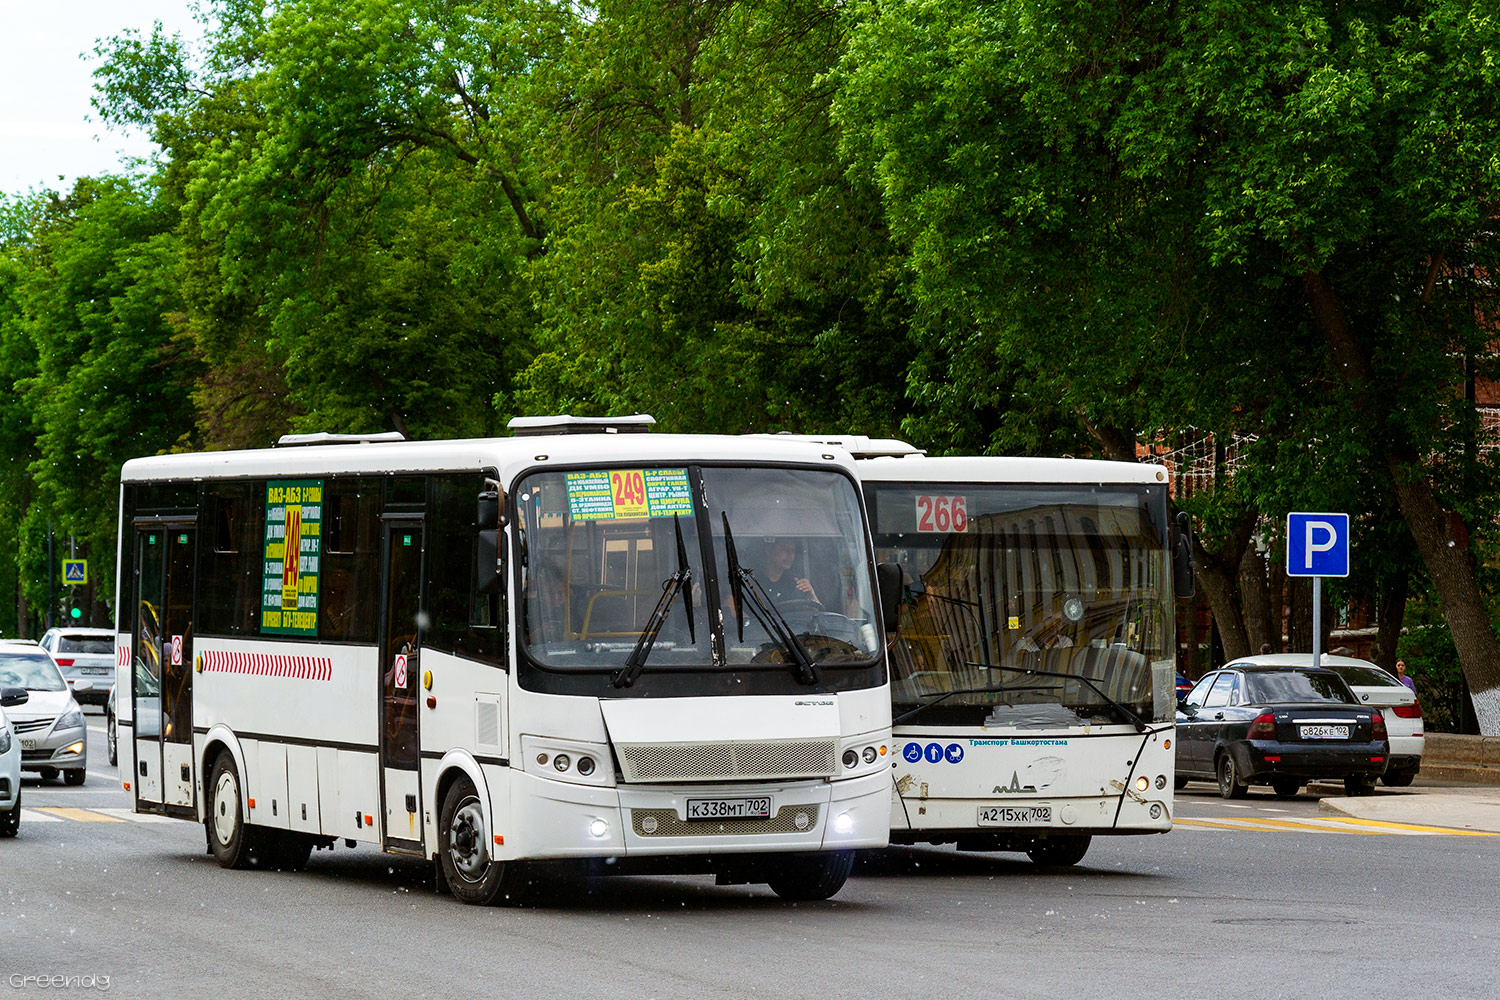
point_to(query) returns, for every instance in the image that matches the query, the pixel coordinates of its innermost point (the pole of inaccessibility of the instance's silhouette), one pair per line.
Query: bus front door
(162, 657)
(400, 648)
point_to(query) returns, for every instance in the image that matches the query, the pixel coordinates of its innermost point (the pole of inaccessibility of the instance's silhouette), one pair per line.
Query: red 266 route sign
(937, 514)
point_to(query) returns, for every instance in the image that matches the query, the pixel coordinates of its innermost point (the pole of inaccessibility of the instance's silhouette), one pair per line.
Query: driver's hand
(807, 588)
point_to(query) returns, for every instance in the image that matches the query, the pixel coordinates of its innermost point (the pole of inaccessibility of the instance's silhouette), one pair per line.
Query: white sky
(47, 126)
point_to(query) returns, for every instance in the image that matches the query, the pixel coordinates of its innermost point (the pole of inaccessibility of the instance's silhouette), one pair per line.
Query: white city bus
(495, 652)
(1033, 673)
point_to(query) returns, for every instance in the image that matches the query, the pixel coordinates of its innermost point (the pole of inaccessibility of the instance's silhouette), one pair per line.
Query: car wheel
(1179, 783)
(474, 876)
(235, 843)
(810, 876)
(10, 823)
(1285, 788)
(112, 739)
(1230, 786)
(1058, 852)
(1399, 779)
(75, 776)
(1359, 784)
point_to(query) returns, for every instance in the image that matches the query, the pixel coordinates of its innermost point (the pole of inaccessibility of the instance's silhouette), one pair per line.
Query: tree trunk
(1299, 614)
(1255, 598)
(1278, 607)
(1449, 563)
(1218, 574)
(1388, 618)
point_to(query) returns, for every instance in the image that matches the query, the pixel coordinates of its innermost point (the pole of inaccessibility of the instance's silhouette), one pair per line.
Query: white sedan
(10, 764)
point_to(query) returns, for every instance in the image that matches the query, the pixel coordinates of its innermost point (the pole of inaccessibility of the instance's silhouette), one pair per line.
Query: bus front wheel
(810, 876)
(1059, 851)
(233, 841)
(473, 875)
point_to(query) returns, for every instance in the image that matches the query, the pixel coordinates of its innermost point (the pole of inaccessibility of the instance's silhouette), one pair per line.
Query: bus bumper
(579, 821)
(938, 821)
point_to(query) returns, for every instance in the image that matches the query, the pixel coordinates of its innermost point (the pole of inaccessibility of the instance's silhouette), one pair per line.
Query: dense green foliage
(1018, 227)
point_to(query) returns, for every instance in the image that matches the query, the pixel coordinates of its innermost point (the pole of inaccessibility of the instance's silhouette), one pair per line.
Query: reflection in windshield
(30, 671)
(600, 546)
(1058, 580)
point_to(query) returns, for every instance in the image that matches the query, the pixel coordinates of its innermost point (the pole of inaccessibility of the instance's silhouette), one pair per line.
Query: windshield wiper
(1141, 725)
(742, 584)
(679, 582)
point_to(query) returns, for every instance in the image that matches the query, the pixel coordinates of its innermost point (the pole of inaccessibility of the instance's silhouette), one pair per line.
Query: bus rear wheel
(472, 874)
(1059, 852)
(810, 876)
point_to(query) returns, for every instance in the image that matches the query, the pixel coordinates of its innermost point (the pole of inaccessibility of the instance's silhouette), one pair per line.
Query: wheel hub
(467, 841)
(226, 807)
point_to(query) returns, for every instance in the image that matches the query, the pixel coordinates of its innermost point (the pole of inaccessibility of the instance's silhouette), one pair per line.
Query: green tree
(1243, 217)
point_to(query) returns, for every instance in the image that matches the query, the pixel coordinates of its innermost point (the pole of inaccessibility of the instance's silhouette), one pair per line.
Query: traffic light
(75, 613)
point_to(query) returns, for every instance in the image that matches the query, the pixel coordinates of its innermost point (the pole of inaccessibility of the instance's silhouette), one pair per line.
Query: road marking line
(134, 817)
(32, 816)
(1271, 826)
(81, 815)
(1411, 827)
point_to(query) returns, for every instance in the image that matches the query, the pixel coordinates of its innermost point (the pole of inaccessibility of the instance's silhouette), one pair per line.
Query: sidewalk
(1460, 807)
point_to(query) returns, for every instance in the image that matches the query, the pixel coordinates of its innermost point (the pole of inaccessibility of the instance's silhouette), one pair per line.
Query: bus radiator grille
(667, 824)
(728, 761)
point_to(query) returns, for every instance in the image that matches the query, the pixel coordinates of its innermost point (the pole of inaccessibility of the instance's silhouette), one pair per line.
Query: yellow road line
(1412, 827)
(81, 815)
(1270, 825)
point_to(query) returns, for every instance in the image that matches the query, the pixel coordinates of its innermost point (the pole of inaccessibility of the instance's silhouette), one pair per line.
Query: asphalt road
(1261, 899)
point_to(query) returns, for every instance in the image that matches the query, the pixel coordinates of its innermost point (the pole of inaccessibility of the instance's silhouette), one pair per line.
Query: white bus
(1033, 673)
(495, 652)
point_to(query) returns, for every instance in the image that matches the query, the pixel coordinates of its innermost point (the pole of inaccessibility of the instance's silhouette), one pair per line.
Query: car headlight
(70, 720)
(4, 741)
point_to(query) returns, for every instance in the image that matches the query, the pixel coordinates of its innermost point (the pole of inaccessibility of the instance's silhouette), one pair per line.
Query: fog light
(598, 828)
(869, 755)
(844, 823)
(649, 824)
(585, 766)
(851, 758)
(1142, 783)
(561, 761)
(1161, 781)
(801, 820)
(74, 748)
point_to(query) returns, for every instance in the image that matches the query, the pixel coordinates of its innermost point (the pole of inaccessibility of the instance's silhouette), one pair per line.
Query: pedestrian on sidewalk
(1401, 676)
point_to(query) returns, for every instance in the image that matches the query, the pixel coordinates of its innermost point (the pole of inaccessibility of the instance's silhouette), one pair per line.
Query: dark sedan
(1249, 725)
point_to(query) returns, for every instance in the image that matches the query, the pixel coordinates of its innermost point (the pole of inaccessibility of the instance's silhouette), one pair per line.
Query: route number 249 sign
(942, 514)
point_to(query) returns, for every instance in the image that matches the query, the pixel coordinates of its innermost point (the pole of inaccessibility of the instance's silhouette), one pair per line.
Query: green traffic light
(75, 613)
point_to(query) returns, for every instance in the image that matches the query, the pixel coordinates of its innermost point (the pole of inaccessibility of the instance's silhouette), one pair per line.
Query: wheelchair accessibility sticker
(933, 753)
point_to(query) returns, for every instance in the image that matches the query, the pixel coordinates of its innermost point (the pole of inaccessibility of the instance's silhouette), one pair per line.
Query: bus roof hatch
(565, 423)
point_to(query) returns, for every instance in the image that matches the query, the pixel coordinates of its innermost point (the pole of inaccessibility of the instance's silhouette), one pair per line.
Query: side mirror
(489, 570)
(11, 697)
(83, 684)
(1183, 584)
(888, 577)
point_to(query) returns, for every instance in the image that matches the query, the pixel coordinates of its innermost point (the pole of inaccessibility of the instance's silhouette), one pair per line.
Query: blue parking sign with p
(1317, 544)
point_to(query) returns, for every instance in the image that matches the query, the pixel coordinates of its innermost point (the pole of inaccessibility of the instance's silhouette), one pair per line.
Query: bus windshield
(693, 569)
(1028, 606)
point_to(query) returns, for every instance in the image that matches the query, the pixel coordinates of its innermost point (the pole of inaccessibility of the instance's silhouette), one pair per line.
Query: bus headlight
(843, 823)
(598, 829)
(561, 761)
(1142, 783)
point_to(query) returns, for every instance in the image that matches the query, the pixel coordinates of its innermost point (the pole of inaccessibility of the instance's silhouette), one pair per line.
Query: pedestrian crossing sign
(75, 572)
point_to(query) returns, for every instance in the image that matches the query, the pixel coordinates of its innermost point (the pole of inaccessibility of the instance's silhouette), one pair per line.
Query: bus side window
(348, 608)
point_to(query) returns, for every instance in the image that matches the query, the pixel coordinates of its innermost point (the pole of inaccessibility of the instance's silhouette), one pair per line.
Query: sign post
(1317, 545)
